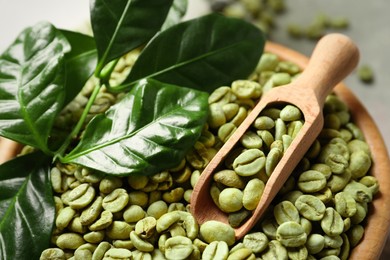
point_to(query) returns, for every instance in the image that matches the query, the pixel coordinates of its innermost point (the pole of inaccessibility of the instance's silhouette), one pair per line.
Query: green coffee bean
(157, 209)
(291, 234)
(293, 128)
(251, 140)
(356, 132)
(244, 88)
(69, 241)
(118, 253)
(272, 160)
(297, 253)
(84, 252)
(178, 247)
(256, 241)
(139, 198)
(241, 254)
(229, 178)
(315, 243)
(337, 182)
(361, 213)
(252, 193)
(109, 183)
(333, 242)
(127, 244)
(267, 137)
(100, 250)
(217, 231)
(345, 247)
(168, 219)
(225, 131)
(133, 213)
(239, 117)
(52, 253)
(76, 226)
(136, 182)
(140, 244)
(216, 250)
(371, 182)
(64, 217)
(236, 218)
(345, 204)
(292, 196)
(264, 123)
(230, 110)
(280, 129)
(103, 222)
(275, 251)
(217, 116)
(88, 175)
(290, 113)
(332, 223)
(285, 211)
(116, 200)
(94, 237)
(358, 191)
(92, 212)
(311, 181)
(220, 95)
(355, 234)
(249, 162)
(230, 200)
(81, 196)
(365, 73)
(118, 230)
(56, 180)
(146, 227)
(311, 207)
(359, 164)
(182, 175)
(358, 145)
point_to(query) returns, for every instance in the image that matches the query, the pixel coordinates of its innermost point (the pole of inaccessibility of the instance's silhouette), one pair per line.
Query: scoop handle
(323, 72)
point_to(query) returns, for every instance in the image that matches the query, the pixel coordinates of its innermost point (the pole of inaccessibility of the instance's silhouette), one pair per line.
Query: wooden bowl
(378, 221)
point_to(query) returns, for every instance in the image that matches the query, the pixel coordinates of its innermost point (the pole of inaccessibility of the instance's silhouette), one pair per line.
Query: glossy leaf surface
(151, 129)
(32, 84)
(122, 25)
(26, 207)
(204, 53)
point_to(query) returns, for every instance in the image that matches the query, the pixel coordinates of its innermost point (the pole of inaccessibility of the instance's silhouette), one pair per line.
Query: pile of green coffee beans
(238, 186)
(318, 214)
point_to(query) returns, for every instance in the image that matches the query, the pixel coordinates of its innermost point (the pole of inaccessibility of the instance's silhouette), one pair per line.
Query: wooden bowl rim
(378, 221)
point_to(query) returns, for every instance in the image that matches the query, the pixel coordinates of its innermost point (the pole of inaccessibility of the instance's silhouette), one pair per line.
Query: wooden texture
(334, 57)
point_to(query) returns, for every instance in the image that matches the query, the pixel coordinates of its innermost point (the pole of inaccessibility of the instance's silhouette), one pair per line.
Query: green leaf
(203, 53)
(26, 207)
(80, 62)
(122, 25)
(176, 13)
(32, 84)
(151, 129)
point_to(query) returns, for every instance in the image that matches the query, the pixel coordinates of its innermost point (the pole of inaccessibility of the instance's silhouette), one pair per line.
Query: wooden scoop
(334, 57)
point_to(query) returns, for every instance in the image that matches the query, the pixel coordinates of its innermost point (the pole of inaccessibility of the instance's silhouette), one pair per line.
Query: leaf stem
(80, 123)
